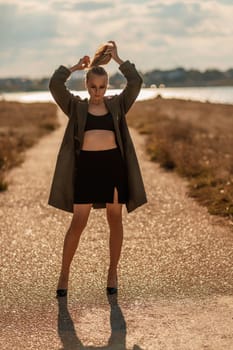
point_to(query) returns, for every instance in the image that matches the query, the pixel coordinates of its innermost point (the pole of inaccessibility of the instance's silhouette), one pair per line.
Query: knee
(114, 217)
(77, 225)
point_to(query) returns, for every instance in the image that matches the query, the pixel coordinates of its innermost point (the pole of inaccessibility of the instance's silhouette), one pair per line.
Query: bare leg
(114, 217)
(78, 223)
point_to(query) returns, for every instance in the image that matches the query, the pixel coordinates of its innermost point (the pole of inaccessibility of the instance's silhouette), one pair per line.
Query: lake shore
(195, 140)
(213, 94)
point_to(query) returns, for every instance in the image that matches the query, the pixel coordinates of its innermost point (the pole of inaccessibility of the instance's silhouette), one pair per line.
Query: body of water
(219, 94)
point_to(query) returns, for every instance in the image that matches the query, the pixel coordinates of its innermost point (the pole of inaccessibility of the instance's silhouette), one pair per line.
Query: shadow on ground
(70, 339)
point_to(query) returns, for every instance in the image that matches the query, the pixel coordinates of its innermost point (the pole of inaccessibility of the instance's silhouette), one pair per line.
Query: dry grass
(21, 125)
(194, 139)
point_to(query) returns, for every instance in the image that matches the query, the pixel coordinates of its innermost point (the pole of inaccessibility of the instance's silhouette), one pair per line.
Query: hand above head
(112, 50)
(82, 64)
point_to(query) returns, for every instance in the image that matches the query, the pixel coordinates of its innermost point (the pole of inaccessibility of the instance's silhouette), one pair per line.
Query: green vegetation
(21, 125)
(195, 140)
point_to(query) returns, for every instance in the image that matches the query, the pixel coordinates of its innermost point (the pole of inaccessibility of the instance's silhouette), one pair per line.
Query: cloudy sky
(38, 35)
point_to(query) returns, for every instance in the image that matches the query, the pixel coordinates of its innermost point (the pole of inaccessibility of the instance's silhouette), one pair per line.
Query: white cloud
(161, 34)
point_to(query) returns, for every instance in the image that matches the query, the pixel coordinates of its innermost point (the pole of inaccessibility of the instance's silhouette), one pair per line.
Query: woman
(97, 164)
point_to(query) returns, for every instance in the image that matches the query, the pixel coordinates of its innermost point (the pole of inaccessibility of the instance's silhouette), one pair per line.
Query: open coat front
(62, 189)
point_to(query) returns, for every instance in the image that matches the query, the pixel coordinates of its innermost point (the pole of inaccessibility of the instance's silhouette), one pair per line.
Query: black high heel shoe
(61, 293)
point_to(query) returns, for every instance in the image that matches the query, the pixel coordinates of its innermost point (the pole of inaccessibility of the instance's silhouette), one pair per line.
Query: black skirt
(97, 174)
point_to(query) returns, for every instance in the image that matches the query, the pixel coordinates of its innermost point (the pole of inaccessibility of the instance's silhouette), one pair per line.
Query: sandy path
(175, 275)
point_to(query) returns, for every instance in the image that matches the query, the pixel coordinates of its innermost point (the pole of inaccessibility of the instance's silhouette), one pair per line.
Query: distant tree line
(192, 77)
(171, 78)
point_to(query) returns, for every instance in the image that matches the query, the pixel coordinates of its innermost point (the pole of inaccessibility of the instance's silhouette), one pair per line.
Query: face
(96, 87)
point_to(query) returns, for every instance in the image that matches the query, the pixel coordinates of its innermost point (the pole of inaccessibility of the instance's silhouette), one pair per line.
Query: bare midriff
(98, 140)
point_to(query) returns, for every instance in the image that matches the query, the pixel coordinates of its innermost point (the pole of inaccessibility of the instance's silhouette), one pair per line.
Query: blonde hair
(100, 57)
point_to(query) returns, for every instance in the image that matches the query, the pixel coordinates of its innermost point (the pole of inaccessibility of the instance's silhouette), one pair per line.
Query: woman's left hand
(112, 50)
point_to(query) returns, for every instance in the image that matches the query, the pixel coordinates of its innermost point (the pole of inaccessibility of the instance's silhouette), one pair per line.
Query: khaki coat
(62, 188)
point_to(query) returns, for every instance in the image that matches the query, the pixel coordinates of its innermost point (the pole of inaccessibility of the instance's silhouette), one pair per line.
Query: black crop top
(101, 122)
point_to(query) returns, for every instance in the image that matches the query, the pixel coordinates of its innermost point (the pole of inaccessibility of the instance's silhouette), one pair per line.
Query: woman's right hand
(82, 64)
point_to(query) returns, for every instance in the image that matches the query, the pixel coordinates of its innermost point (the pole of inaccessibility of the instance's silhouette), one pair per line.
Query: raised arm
(134, 80)
(61, 94)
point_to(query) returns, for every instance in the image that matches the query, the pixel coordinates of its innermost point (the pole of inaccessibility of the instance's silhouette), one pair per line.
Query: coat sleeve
(63, 97)
(133, 86)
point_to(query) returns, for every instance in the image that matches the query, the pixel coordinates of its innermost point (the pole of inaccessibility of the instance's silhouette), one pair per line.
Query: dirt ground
(175, 274)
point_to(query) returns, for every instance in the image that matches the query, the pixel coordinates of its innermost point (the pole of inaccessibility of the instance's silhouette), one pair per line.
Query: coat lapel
(115, 114)
(82, 117)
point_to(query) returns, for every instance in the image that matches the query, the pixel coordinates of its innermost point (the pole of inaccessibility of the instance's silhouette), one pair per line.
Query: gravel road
(175, 274)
